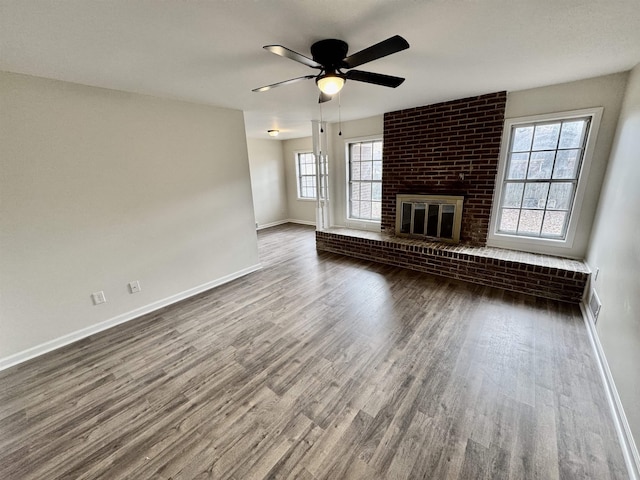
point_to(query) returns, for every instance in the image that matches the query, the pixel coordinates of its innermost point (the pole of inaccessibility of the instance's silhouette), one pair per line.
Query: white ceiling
(210, 51)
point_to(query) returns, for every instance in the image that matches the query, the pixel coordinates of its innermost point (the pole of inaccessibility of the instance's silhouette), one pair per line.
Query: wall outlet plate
(134, 287)
(98, 297)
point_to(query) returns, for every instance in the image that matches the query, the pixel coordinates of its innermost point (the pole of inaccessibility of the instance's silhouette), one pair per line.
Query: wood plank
(318, 367)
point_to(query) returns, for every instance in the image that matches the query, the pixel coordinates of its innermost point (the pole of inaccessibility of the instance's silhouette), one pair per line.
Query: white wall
(607, 92)
(99, 188)
(268, 182)
(615, 250)
(299, 210)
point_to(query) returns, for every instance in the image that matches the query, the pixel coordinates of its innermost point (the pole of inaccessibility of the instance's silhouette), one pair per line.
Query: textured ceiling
(210, 51)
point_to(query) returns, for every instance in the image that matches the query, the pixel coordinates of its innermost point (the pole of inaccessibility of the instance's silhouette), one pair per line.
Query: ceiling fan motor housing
(329, 53)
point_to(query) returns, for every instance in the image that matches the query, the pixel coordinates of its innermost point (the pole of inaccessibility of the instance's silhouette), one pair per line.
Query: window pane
(376, 191)
(355, 191)
(509, 220)
(553, 225)
(377, 170)
(571, 136)
(355, 209)
(355, 170)
(377, 150)
(530, 222)
(560, 196)
(366, 151)
(540, 165)
(355, 152)
(366, 170)
(365, 210)
(567, 162)
(535, 195)
(522, 137)
(546, 136)
(376, 210)
(365, 191)
(518, 166)
(513, 195)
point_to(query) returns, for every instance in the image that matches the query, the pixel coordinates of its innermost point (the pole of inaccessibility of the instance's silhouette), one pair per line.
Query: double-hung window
(542, 176)
(365, 180)
(306, 170)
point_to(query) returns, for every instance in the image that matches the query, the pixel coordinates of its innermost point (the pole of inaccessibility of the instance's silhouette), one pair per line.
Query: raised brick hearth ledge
(540, 275)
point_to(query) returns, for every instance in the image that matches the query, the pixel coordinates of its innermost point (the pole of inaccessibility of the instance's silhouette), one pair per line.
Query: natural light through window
(541, 177)
(306, 168)
(365, 180)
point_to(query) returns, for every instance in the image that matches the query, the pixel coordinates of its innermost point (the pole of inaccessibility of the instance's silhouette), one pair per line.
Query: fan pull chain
(321, 129)
(339, 116)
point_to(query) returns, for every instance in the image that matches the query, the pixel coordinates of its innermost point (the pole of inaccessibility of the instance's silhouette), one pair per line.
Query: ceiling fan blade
(386, 47)
(286, 82)
(288, 53)
(375, 78)
(324, 97)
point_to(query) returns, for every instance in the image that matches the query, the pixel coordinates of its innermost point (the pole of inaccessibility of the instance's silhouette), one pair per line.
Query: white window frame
(363, 223)
(505, 240)
(296, 155)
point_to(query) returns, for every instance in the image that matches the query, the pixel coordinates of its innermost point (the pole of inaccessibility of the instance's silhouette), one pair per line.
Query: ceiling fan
(330, 57)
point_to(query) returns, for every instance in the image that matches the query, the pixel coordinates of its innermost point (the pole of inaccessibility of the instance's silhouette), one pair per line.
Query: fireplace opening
(433, 217)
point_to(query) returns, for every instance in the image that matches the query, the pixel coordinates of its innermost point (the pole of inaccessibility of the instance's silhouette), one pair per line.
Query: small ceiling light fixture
(273, 133)
(330, 83)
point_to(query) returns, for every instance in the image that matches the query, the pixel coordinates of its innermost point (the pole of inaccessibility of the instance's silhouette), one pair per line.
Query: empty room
(280, 239)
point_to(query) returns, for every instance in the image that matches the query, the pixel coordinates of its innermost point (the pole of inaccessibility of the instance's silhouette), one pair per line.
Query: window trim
(298, 177)
(505, 240)
(363, 223)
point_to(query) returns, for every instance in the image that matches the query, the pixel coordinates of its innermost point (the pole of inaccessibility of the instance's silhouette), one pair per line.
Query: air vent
(594, 305)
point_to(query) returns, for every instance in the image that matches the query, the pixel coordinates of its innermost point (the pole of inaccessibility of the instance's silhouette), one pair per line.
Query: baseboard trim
(272, 224)
(59, 342)
(282, 222)
(301, 222)
(627, 443)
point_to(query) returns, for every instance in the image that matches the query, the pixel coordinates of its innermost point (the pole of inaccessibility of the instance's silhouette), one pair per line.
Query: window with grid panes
(541, 177)
(306, 167)
(365, 180)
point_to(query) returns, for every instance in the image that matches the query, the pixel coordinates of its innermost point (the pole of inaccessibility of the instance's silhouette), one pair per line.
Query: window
(541, 169)
(306, 167)
(365, 180)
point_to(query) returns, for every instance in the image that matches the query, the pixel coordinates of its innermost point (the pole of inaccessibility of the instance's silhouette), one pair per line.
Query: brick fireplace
(449, 148)
(452, 149)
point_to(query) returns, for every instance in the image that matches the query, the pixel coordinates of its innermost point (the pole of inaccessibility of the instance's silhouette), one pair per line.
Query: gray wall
(268, 181)
(607, 92)
(99, 188)
(299, 210)
(615, 250)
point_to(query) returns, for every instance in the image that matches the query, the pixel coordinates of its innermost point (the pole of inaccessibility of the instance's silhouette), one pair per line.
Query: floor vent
(594, 305)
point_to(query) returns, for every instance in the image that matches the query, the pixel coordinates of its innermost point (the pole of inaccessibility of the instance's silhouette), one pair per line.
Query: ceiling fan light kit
(329, 56)
(330, 83)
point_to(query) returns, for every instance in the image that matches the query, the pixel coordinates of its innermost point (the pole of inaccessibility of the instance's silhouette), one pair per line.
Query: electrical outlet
(134, 287)
(98, 297)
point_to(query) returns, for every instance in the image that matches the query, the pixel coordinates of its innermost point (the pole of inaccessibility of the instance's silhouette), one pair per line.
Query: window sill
(529, 244)
(358, 224)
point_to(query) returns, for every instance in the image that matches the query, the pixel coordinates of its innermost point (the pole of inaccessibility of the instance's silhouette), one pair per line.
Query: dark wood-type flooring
(319, 367)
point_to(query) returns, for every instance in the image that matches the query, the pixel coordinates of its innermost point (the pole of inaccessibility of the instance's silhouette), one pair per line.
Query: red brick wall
(427, 148)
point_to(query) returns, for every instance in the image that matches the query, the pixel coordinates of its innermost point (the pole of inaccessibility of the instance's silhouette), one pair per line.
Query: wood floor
(319, 367)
